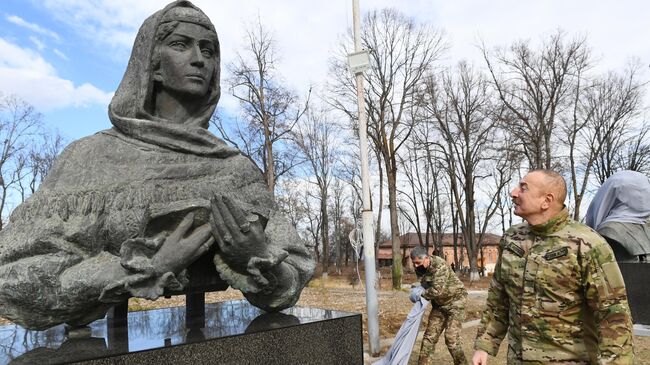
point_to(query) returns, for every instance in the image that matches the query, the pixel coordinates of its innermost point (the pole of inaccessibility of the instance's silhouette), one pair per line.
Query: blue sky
(66, 57)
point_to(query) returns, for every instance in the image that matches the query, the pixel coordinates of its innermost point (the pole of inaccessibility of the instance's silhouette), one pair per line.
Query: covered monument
(620, 212)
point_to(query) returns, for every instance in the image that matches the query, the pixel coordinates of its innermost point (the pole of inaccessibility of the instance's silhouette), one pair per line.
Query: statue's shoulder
(79, 153)
(96, 142)
(244, 167)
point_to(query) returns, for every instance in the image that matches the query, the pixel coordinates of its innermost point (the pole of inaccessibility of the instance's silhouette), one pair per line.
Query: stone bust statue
(125, 212)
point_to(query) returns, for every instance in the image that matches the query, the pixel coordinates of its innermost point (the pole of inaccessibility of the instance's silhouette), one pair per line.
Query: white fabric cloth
(624, 197)
(416, 293)
(400, 351)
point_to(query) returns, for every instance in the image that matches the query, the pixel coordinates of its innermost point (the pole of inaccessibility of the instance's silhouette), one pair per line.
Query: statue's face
(188, 59)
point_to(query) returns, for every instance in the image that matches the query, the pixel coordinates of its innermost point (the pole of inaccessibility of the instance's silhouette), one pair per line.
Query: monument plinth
(234, 332)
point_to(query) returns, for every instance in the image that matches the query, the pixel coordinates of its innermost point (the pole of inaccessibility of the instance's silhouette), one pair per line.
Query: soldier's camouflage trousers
(450, 320)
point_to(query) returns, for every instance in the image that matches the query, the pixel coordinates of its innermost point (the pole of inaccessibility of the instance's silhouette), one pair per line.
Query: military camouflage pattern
(448, 296)
(559, 295)
(449, 320)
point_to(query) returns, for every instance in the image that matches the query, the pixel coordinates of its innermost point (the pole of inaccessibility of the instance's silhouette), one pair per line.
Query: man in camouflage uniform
(557, 290)
(448, 296)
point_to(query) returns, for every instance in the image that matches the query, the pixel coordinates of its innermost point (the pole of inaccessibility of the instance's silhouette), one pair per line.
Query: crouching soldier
(447, 294)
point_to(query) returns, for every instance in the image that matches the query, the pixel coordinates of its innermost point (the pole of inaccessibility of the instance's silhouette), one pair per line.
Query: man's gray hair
(555, 182)
(419, 252)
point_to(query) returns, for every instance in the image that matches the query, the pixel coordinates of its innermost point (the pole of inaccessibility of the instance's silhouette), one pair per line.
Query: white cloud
(307, 31)
(14, 57)
(37, 42)
(60, 54)
(25, 73)
(33, 27)
(108, 23)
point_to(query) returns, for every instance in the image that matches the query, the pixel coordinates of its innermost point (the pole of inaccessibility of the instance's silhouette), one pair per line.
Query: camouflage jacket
(561, 300)
(442, 286)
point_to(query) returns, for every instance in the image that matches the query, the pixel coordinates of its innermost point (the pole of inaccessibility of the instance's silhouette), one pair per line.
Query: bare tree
(504, 165)
(637, 154)
(269, 109)
(291, 202)
(314, 223)
(316, 141)
(337, 209)
(36, 161)
(410, 198)
(507, 166)
(343, 97)
(402, 52)
(604, 112)
(347, 226)
(535, 87)
(460, 103)
(616, 135)
(20, 123)
(423, 176)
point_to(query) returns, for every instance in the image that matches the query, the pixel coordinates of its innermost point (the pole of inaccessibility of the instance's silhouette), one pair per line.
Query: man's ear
(549, 198)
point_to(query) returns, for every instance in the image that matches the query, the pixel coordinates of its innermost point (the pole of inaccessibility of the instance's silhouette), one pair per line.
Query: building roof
(410, 240)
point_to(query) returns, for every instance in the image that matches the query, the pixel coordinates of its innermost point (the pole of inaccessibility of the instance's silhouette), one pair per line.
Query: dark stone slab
(234, 333)
(638, 289)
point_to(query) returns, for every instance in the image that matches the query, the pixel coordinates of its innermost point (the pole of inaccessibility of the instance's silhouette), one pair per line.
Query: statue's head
(185, 57)
(176, 51)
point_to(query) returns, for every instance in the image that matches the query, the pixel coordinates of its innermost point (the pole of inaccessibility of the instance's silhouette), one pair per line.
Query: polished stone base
(636, 276)
(233, 333)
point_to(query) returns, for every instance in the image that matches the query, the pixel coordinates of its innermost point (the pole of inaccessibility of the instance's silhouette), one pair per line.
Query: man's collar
(553, 225)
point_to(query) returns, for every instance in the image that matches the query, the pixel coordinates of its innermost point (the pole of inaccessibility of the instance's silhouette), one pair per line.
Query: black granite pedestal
(233, 333)
(636, 275)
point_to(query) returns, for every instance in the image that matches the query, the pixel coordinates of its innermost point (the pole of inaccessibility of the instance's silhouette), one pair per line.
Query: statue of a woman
(126, 211)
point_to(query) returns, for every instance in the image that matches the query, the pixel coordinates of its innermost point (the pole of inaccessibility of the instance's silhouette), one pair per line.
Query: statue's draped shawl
(130, 111)
(624, 197)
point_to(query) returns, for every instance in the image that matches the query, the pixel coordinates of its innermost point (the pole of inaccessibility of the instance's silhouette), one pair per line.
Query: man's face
(421, 261)
(188, 60)
(529, 196)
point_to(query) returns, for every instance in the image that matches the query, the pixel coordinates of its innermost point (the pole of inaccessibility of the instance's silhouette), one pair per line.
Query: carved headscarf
(130, 111)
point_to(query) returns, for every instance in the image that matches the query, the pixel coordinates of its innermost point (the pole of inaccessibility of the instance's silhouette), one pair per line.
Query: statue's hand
(239, 236)
(180, 249)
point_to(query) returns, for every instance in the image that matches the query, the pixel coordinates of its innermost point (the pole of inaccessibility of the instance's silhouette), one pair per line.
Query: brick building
(409, 240)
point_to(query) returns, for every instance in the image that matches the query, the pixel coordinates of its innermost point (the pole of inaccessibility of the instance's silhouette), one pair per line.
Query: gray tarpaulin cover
(400, 351)
(623, 197)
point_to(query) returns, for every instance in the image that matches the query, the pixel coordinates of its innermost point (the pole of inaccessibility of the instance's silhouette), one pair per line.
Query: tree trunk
(394, 230)
(339, 251)
(473, 276)
(379, 209)
(347, 254)
(316, 250)
(454, 233)
(470, 222)
(270, 164)
(325, 233)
